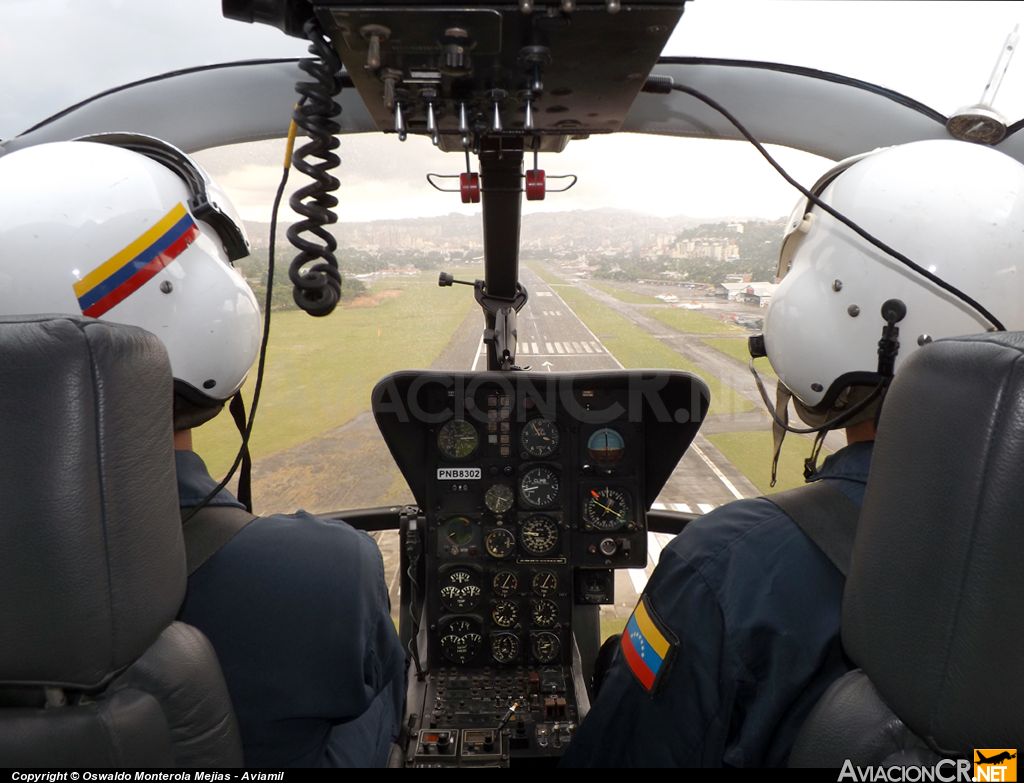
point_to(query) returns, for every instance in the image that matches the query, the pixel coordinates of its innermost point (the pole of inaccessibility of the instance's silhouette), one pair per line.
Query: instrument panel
(532, 489)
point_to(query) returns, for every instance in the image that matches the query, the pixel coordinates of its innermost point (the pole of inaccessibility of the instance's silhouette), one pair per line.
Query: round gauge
(460, 590)
(540, 438)
(506, 583)
(505, 647)
(499, 543)
(545, 646)
(498, 498)
(461, 640)
(539, 535)
(457, 439)
(505, 614)
(539, 487)
(606, 447)
(544, 613)
(545, 582)
(459, 530)
(606, 508)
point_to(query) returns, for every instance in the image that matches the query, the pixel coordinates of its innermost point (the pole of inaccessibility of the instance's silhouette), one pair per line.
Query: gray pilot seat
(932, 612)
(94, 670)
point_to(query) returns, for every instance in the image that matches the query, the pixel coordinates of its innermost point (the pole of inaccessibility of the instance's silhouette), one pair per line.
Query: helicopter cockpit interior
(531, 487)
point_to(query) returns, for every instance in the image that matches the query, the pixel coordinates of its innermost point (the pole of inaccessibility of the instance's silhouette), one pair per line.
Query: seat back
(93, 669)
(932, 612)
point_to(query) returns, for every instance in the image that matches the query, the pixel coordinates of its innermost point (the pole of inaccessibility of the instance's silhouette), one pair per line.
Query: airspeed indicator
(540, 438)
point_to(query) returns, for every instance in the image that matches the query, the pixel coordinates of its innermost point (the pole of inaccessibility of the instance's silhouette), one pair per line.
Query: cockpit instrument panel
(531, 489)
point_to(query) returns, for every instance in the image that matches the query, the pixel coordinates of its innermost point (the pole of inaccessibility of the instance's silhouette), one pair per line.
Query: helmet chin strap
(782, 397)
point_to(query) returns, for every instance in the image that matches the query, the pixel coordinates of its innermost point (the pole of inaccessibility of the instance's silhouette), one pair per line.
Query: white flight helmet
(135, 237)
(952, 207)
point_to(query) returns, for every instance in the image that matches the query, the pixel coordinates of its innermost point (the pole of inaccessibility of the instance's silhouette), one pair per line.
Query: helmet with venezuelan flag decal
(128, 229)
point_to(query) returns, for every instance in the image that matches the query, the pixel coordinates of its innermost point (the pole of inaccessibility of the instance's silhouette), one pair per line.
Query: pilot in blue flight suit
(737, 634)
(296, 606)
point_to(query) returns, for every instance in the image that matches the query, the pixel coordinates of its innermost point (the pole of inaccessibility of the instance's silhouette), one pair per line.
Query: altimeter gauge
(606, 508)
(461, 640)
(539, 438)
(457, 439)
(539, 487)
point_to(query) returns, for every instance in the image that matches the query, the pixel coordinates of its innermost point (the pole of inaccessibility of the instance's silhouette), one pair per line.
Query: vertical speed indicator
(539, 487)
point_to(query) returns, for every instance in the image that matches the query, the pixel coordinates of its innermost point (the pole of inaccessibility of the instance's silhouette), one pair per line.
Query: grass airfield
(320, 371)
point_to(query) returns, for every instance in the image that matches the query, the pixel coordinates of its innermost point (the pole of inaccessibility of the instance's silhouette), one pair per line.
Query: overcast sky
(57, 52)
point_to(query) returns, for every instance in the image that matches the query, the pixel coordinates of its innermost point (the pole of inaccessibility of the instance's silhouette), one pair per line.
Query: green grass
(545, 275)
(637, 349)
(751, 453)
(736, 347)
(320, 371)
(693, 322)
(624, 296)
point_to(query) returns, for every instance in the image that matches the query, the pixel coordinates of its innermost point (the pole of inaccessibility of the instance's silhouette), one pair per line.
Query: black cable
(813, 73)
(318, 289)
(838, 215)
(414, 612)
(244, 449)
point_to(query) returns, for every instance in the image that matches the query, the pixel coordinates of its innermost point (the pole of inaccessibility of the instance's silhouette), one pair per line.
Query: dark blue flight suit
(297, 610)
(754, 609)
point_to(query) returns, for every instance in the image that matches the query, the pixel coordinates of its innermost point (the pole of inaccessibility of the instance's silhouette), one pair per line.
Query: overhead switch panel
(545, 72)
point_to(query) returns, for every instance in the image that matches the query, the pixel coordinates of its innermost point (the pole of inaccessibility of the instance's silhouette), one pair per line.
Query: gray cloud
(55, 53)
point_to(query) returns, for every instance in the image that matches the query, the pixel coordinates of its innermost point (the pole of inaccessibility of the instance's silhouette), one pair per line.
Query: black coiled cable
(318, 289)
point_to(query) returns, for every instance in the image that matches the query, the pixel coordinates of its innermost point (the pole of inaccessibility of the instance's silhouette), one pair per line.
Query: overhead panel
(466, 71)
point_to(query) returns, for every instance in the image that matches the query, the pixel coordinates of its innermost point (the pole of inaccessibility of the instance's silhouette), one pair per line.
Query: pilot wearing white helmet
(737, 634)
(126, 228)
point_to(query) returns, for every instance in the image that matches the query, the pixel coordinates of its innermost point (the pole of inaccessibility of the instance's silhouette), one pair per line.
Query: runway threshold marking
(596, 343)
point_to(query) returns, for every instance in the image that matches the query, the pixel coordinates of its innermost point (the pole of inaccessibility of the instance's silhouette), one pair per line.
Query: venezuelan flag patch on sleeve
(649, 647)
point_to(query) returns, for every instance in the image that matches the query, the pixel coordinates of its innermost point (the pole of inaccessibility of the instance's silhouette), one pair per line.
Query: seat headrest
(933, 603)
(93, 561)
